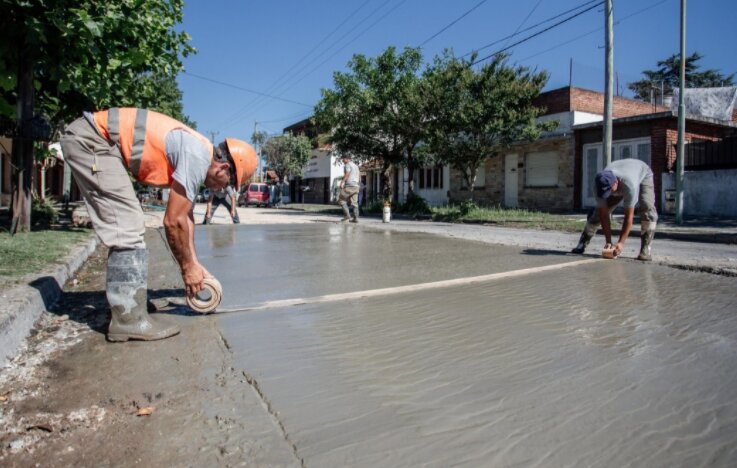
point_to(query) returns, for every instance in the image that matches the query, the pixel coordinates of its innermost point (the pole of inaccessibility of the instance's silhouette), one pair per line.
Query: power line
(538, 33)
(352, 40)
(451, 23)
(259, 102)
(244, 89)
(594, 30)
(304, 57)
(526, 18)
(301, 115)
(479, 49)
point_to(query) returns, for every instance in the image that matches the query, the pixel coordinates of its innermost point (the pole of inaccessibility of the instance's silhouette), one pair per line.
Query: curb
(24, 303)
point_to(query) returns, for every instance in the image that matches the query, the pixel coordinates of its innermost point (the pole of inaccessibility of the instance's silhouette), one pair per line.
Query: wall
(578, 99)
(705, 193)
(593, 102)
(556, 198)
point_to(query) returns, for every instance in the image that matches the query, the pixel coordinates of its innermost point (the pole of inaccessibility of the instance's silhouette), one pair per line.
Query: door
(592, 163)
(511, 180)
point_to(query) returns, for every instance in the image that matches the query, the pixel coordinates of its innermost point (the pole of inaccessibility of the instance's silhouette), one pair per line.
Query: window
(643, 152)
(541, 169)
(623, 149)
(430, 177)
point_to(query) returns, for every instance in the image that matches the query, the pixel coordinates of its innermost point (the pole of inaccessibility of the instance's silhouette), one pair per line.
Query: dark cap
(604, 181)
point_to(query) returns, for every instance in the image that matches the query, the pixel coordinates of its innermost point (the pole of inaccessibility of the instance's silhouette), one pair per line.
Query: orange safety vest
(140, 135)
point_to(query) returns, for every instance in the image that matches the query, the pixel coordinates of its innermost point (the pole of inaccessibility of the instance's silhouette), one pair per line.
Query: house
(541, 175)
(652, 138)
(323, 172)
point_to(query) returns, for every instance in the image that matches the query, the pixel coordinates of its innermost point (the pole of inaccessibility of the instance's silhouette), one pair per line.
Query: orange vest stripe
(140, 135)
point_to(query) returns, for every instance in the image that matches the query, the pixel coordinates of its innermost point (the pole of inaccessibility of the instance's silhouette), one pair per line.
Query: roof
(659, 115)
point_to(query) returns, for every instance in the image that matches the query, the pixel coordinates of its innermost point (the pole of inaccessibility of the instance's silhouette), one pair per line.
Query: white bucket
(387, 214)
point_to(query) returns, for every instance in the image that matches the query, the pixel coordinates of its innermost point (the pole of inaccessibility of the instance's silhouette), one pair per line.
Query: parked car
(255, 194)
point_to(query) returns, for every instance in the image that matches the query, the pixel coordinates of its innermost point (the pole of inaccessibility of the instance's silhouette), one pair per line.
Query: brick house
(542, 175)
(651, 138)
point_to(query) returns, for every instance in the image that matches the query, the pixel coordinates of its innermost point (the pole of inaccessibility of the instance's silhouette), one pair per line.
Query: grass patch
(32, 252)
(470, 212)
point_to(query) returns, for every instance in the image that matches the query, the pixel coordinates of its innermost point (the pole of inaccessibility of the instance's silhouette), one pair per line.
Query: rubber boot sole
(123, 337)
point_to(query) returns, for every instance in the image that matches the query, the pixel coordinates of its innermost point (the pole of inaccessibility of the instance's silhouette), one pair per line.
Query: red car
(255, 194)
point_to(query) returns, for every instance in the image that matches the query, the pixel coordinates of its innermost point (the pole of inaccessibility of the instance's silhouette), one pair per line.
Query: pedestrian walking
(349, 189)
(219, 197)
(627, 181)
(101, 148)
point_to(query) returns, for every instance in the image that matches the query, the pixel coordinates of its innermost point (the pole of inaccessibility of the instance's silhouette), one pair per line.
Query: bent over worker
(628, 181)
(100, 149)
(225, 196)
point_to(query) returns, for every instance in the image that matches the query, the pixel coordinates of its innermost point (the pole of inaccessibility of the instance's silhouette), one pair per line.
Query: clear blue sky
(289, 49)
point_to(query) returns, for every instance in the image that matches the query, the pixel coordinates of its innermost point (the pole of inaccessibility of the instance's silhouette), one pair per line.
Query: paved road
(407, 344)
(548, 361)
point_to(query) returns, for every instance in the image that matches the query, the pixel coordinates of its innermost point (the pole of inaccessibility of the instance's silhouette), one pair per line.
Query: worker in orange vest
(101, 149)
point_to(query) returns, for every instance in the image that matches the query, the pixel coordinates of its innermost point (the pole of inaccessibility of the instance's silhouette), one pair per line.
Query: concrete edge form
(24, 303)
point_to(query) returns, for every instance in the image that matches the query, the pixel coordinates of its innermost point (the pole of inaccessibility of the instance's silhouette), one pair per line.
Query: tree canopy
(376, 110)
(88, 55)
(668, 74)
(60, 57)
(477, 112)
(287, 154)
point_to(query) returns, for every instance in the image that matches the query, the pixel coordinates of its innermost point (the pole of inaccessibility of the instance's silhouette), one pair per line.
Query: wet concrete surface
(610, 363)
(600, 363)
(256, 264)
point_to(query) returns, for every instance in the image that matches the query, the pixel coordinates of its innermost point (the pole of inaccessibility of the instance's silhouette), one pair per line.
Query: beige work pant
(115, 211)
(348, 194)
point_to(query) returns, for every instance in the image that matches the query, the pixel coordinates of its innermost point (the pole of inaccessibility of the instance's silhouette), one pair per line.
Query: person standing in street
(221, 197)
(629, 181)
(101, 148)
(349, 189)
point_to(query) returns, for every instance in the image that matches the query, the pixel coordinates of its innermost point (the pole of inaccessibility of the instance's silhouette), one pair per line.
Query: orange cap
(245, 159)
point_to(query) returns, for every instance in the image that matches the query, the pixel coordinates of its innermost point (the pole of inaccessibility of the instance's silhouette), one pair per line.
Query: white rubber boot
(127, 278)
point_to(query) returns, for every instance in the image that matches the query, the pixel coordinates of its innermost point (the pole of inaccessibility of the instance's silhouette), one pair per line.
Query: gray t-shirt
(631, 174)
(222, 193)
(190, 159)
(351, 174)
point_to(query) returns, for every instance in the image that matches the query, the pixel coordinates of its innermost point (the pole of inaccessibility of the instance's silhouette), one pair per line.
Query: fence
(708, 155)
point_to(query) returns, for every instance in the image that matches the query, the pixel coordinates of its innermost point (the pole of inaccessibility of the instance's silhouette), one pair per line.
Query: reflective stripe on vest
(139, 135)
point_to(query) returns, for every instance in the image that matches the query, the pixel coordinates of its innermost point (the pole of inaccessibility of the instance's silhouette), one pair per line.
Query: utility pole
(258, 153)
(213, 134)
(609, 81)
(681, 119)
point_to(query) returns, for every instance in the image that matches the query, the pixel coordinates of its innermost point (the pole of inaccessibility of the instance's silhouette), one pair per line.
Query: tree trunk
(23, 150)
(387, 181)
(411, 166)
(471, 181)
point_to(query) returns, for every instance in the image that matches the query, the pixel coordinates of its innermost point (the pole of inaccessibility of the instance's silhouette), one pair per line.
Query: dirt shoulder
(72, 399)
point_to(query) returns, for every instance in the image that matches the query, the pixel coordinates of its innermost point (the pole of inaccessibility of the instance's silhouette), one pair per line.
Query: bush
(43, 212)
(467, 207)
(415, 205)
(376, 206)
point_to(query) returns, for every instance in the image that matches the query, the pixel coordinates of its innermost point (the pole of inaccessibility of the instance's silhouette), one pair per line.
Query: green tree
(478, 112)
(287, 154)
(60, 57)
(375, 111)
(669, 75)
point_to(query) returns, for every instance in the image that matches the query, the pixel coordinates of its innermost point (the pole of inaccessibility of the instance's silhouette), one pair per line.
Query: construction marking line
(405, 289)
